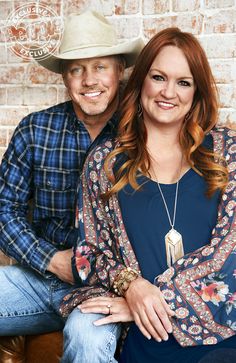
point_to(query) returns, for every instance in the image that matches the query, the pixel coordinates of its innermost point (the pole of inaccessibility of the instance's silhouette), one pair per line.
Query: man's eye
(184, 83)
(158, 77)
(76, 71)
(100, 67)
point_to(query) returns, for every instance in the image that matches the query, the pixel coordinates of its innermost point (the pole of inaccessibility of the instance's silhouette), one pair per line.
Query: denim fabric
(86, 343)
(29, 304)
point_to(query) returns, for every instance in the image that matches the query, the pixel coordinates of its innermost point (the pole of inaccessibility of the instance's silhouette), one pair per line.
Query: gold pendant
(174, 246)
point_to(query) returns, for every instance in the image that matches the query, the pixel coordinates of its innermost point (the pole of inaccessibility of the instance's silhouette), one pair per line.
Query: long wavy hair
(132, 134)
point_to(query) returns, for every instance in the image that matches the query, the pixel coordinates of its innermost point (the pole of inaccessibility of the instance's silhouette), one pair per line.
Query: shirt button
(48, 182)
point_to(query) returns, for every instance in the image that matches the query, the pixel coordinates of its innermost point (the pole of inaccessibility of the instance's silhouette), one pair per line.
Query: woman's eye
(158, 77)
(184, 83)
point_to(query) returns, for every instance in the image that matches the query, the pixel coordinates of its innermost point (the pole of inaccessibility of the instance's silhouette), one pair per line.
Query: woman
(160, 201)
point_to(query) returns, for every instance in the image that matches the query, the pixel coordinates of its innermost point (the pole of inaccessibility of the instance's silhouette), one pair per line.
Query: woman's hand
(116, 309)
(150, 310)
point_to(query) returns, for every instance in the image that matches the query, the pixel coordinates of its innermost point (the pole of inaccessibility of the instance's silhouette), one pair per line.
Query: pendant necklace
(173, 239)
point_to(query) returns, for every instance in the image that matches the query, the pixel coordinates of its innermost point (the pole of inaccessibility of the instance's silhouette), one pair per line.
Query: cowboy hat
(89, 35)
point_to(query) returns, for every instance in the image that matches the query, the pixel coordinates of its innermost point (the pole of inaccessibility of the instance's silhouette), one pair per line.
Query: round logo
(33, 31)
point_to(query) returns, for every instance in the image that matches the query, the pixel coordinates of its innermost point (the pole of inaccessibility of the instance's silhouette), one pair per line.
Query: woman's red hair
(202, 118)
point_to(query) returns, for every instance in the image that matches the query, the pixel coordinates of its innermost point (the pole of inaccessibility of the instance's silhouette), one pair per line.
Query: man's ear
(64, 79)
(121, 76)
(63, 66)
(121, 68)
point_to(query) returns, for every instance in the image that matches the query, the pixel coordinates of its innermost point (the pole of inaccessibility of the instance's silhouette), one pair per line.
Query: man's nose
(89, 78)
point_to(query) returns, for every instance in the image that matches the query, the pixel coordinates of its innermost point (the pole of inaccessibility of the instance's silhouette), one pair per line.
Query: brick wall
(26, 87)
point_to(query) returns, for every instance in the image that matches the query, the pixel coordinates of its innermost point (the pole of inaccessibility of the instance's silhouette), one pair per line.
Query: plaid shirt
(43, 163)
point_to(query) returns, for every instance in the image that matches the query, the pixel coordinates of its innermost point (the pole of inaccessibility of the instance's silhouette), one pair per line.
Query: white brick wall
(25, 86)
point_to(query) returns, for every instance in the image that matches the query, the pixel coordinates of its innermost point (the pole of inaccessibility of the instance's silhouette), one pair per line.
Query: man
(42, 164)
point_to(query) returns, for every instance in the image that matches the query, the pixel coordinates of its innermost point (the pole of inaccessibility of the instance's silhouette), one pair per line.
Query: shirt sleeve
(17, 238)
(96, 260)
(200, 287)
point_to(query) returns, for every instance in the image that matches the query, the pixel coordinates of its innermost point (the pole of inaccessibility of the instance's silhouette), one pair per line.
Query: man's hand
(60, 265)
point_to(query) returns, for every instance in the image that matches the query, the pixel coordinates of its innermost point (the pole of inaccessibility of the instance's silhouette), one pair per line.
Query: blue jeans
(29, 304)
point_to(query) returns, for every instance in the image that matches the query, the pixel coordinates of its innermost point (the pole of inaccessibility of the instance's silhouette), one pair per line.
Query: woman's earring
(140, 110)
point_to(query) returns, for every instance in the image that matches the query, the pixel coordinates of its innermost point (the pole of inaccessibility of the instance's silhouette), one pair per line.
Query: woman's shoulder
(97, 156)
(224, 132)
(224, 139)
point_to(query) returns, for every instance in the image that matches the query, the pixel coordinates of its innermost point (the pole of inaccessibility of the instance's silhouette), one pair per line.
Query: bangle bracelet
(123, 280)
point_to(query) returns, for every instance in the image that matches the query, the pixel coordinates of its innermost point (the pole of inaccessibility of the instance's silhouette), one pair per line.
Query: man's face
(92, 84)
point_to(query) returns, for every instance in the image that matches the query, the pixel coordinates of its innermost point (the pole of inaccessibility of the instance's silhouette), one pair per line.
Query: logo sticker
(33, 31)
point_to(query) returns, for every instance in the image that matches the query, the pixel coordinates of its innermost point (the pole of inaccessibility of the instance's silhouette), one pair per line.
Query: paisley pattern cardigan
(200, 287)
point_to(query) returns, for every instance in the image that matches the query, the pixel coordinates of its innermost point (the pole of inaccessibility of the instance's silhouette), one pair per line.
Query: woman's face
(168, 89)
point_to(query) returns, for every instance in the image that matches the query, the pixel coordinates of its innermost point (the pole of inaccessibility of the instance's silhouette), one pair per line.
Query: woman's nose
(169, 89)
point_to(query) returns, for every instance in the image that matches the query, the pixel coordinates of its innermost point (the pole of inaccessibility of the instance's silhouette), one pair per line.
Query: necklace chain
(173, 239)
(172, 223)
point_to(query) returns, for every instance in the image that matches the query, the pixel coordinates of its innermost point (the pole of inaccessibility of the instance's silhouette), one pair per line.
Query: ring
(109, 309)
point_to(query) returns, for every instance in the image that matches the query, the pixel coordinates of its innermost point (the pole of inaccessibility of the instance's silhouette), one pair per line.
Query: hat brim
(130, 51)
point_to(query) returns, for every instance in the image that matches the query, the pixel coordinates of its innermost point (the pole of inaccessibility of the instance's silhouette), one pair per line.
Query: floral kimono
(200, 287)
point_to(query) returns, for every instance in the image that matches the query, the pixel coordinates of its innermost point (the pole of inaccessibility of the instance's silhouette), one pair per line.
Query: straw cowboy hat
(89, 35)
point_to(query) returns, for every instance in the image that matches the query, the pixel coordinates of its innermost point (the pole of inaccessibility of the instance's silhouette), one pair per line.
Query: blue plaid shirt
(43, 163)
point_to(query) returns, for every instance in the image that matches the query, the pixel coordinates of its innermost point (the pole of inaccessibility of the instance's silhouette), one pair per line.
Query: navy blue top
(146, 223)
(146, 220)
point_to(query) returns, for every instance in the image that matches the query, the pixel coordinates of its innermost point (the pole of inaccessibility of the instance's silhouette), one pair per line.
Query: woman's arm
(201, 286)
(97, 255)
(116, 309)
(151, 312)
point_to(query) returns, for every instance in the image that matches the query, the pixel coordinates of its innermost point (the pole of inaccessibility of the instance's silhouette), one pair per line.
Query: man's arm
(60, 265)
(17, 238)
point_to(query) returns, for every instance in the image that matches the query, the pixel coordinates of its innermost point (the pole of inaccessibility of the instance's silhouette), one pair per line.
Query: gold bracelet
(123, 280)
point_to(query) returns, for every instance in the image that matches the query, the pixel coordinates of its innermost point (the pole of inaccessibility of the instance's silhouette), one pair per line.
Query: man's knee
(80, 328)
